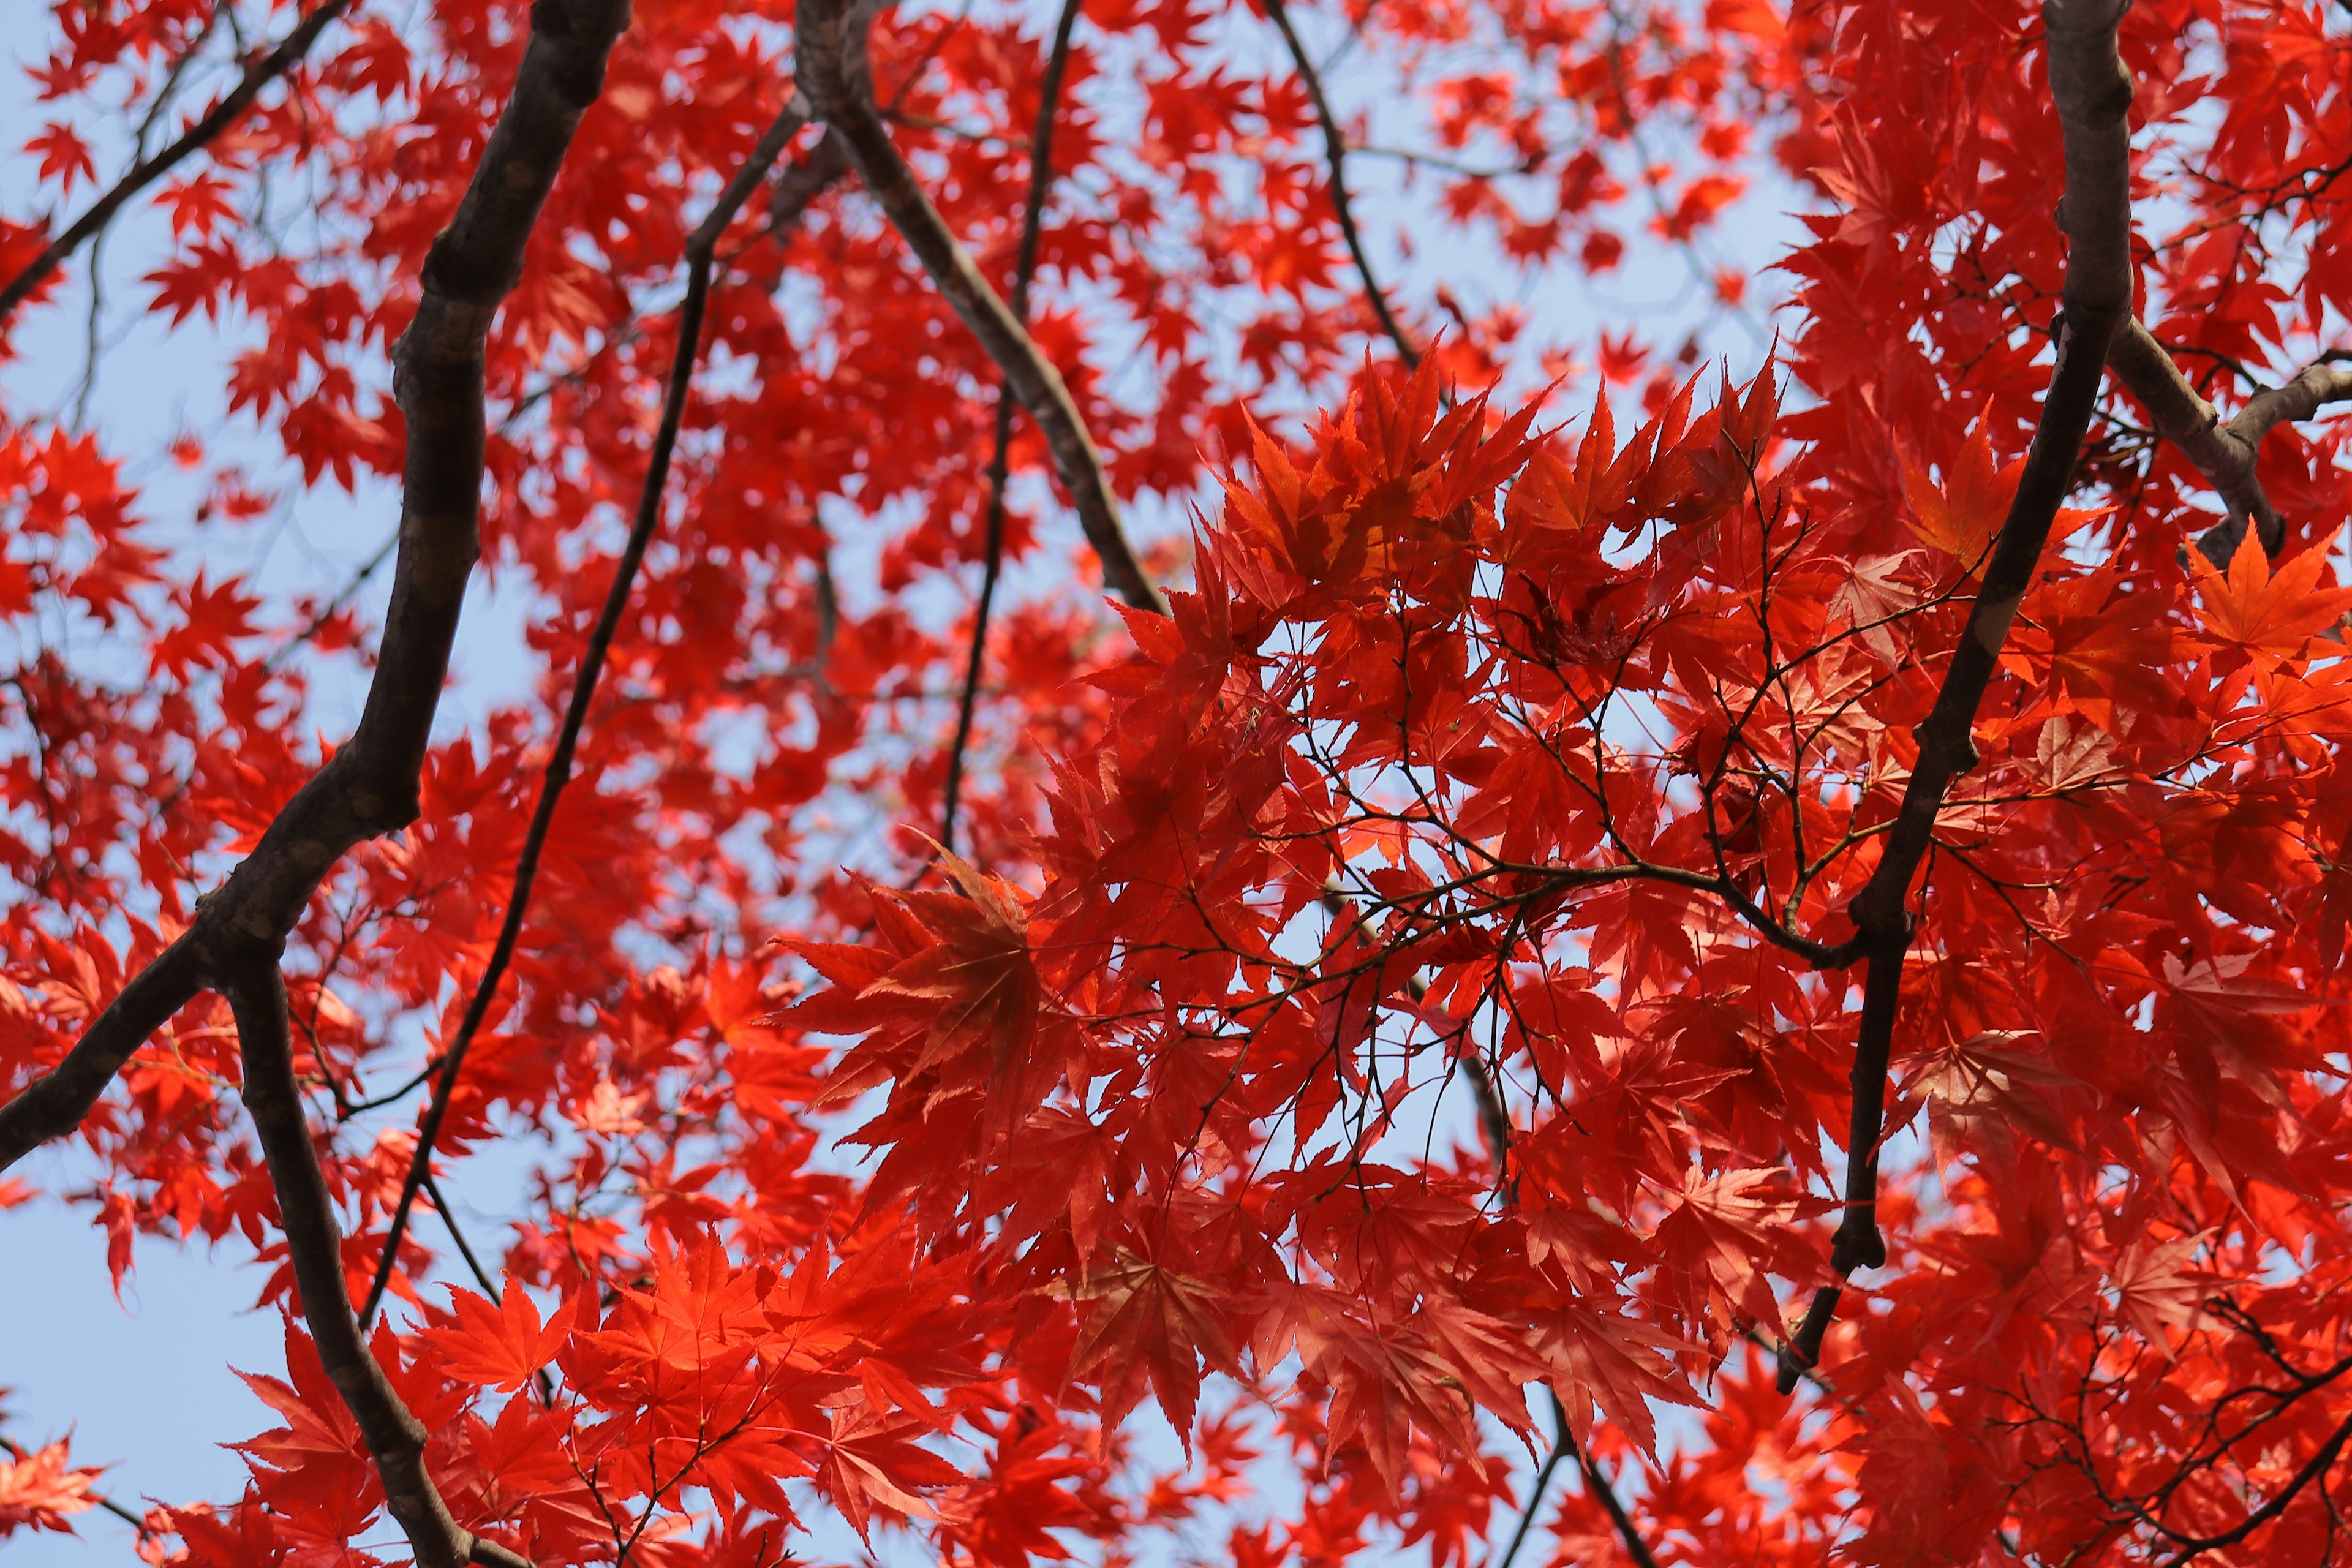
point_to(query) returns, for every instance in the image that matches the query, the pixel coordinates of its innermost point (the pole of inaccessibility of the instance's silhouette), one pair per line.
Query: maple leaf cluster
(1772, 930)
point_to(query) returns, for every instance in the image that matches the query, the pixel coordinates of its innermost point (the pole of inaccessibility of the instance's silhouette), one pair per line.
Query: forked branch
(371, 784)
(830, 37)
(2224, 451)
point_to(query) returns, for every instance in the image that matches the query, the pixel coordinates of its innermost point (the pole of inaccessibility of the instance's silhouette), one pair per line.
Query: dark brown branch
(394, 1436)
(701, 248)
(369, 786)
(2313, 1469)
(1335, 152)
(830, 36)
(1024, 268)
(2093, 93)
(2225, 452)
(147, 171)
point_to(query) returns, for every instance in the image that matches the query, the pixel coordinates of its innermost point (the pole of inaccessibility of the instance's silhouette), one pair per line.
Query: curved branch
(394, 1436)
(369, 785)
(147, 171)
(2093, 93)
(1335, 152)
(701, 248)
(830, 36)
(2225, 452)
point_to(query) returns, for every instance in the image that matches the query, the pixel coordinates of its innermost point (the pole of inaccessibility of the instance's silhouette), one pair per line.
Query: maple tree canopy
(1163, 890)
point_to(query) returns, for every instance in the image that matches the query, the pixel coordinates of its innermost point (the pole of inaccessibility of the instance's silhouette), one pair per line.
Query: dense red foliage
(1401, 1012)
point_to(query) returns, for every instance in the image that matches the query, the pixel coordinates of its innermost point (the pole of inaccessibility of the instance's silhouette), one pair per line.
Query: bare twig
(2313, 1469)
(2093, 93)
(830, 36)
(1335, 152)
(700, 246)
(1033, 214)
(147, 171)
(334, 607)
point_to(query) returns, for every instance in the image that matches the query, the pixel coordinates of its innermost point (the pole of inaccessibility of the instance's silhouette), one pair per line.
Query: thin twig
(108, 1503)
(147, 171)
(481, 1275)
(1561, 1444)
(701, 248)
(1335, 152)
(334, 607)
(1494, 1119)
(1033, 213)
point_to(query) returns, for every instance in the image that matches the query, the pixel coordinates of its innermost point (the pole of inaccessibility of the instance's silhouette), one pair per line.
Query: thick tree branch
(147, 171)
(701, 248)
(2093, 93)
(394, 1436)
(369, 786)
(1024, 268)
(1335, 152)
(2225, 452)
(830, 37)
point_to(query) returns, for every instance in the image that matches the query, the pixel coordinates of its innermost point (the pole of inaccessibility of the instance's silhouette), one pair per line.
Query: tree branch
(147, 171)
(394, 1436)
(2313, 1469)
(805, 179)
(369, 786)
(1033, 214)
(830, 37)
(2093, 93)
(2226, 453)
(1335, 152)
(701, 248)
